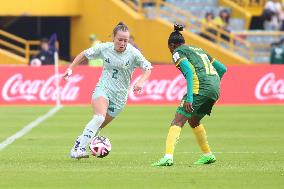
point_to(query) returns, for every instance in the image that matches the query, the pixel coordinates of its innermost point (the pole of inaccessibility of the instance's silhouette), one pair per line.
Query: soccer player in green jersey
(203, 74)
(109, 98)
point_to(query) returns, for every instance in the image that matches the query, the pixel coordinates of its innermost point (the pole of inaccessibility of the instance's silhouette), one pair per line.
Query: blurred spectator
(222, 21)
(46, 53)
(281, 16)
(145, 3)
(132, 42)
(207, 23)
(277, 53)
(95, 62)
(271, 15)
(94, 40)
(45, 56)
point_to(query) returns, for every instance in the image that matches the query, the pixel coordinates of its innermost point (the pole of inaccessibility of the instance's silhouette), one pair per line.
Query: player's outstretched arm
(78, 59)
(220, 68)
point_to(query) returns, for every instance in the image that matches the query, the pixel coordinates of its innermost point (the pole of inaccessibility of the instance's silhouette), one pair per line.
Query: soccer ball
(100, 146)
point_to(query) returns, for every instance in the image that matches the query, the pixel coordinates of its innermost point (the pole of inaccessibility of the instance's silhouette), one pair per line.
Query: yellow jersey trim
(180, 61)
(195, 88)
(213, 59)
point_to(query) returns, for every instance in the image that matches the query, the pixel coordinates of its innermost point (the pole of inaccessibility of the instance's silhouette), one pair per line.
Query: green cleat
(205, 160)
(163, 162)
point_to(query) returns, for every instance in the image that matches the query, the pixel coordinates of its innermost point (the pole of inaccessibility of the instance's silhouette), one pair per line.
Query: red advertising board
(256, 84)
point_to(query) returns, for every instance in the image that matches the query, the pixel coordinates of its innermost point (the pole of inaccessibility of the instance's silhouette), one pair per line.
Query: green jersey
(206, 81)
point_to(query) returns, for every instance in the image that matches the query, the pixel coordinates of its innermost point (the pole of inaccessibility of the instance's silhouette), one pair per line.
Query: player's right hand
(67, 74)
(188, 107)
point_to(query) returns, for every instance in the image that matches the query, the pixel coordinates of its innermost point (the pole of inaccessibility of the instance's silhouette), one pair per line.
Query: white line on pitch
(28, 127)
(223, 152)
(233, 152)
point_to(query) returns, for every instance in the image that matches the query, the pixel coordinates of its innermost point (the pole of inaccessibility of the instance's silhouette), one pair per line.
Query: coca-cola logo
(18, 88)
(268, 87)
(160, 90)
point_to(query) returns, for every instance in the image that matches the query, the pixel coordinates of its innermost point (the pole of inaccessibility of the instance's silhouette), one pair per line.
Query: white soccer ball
(35, 62)
(100, 146)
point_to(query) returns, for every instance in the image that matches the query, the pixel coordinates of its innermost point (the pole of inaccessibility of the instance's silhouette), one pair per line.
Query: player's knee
(179, 123)
(193, 123)
(99, 118)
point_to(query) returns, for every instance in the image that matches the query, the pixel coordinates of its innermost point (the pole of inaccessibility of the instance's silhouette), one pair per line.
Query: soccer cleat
(74, 149)
(163, 162)
(73, 153)
(205, 160)
(82, 153)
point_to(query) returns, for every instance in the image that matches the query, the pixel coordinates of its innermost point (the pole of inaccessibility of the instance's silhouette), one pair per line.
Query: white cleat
(73, 152)
(82, 153)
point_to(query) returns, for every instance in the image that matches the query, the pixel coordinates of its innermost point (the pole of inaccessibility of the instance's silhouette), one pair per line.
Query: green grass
(248, 142)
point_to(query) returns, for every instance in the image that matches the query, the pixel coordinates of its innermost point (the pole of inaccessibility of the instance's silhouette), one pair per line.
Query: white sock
(169, 156)
(208, 154)
(91, 130)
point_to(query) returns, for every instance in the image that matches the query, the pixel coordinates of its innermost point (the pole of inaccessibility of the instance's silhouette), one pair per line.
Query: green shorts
(202, 105)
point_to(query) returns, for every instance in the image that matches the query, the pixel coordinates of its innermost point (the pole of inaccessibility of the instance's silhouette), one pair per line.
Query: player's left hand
(138, 87)
(188, 107)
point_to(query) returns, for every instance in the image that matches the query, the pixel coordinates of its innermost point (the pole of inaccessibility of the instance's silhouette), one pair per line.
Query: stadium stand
(253, 45)
(16, 50)
(238, 46)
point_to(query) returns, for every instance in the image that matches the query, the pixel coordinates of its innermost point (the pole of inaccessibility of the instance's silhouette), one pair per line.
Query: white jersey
(117, 69)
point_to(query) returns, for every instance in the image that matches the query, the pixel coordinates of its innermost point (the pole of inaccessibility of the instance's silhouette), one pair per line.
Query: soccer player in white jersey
(110, 96)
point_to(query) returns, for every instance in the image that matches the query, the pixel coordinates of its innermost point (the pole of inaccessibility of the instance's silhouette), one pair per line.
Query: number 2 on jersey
(210, 70)
(114, 74)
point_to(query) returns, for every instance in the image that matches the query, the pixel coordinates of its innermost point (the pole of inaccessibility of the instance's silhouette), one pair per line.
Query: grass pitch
(248, 142)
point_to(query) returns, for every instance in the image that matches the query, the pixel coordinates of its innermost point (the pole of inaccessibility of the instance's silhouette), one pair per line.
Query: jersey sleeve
(94, 52)
(183, 64)
(188, 74)
(141, 62)
(220, 68)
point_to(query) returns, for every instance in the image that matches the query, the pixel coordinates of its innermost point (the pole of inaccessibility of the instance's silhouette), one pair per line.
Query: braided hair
(176, 37)
(120, 27)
